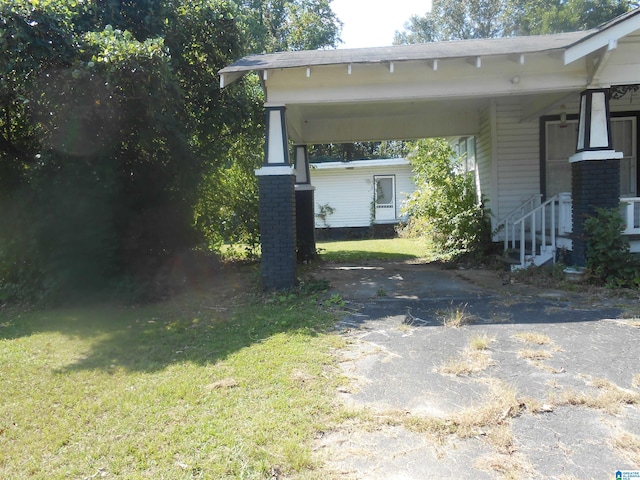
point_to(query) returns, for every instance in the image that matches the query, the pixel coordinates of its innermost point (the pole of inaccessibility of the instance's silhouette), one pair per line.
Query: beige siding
(350, 193)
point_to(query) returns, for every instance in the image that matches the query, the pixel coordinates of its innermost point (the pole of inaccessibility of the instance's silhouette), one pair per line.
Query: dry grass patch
(634, 322)
(223, 384)
(468, 363)
(529, 354)
(533, 337)
(499, 407)
(489, 421)
(609, 398)
(481, 342)
(509, 467)
(473, 359)
(636, 380)
(456, 316)
(628, 445)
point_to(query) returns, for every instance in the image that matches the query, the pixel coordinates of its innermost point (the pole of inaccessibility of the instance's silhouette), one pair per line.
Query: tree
(452, 20)
(535, 17)
(104, 136)
(280, 25)
(346, 152)
(118, 149)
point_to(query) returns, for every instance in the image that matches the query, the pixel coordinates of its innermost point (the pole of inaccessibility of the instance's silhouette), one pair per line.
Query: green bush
(444, 206)
(608, 255)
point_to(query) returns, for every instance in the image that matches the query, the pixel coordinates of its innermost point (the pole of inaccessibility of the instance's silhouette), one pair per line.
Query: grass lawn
(397, 249)
(210, 384)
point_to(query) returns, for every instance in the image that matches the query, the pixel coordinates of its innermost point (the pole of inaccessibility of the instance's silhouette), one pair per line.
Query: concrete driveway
(464, 374)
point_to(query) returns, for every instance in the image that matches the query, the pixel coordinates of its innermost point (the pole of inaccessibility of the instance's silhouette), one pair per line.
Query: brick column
(594, 184)
(595, 168)
(277, 206)
(277, 215)
(305, 211)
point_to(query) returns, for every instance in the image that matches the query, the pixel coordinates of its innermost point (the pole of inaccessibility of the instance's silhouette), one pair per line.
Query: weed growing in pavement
(533, 337)
(510, 467)
(628, 445)
(473, 359)
(529, 354)
(469, 362)
(456, 316)
(336, 300)
(481, 342)
(609, 397)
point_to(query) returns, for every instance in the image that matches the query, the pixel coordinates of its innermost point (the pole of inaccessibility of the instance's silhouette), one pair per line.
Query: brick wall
(594, 184)
(277, 215)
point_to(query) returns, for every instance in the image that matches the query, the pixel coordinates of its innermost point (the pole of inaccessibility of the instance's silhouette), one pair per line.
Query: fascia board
(601, 39)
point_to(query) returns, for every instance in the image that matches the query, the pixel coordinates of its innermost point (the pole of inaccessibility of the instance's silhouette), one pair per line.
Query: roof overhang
(437, 89)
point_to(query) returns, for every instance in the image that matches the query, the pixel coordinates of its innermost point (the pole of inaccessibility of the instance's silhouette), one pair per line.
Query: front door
(385, 198)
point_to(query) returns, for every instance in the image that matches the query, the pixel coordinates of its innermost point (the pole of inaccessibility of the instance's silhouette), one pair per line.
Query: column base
(277, 215)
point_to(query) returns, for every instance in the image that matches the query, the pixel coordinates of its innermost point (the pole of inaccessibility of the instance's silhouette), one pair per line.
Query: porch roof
(438, 89)
(399, 53)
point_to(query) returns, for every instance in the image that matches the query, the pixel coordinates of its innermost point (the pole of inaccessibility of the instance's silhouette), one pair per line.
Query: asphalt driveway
(464, 374)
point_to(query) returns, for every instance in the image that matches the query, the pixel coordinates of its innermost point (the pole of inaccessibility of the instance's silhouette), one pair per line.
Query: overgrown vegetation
(444, 206)
(608, 255)
(118, 150)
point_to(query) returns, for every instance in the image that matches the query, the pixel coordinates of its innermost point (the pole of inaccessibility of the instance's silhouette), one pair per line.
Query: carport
(419, 91)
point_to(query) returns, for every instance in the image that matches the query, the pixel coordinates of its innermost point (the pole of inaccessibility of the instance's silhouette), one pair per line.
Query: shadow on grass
(200, 327)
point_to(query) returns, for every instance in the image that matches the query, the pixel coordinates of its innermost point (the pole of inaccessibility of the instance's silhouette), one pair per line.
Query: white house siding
(348, 189)
(518, 157)
(483, 159)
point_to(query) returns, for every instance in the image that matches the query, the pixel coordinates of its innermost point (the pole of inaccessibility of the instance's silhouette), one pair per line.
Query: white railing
(508, 222)
(537, 229)
(631, 213)
(536, 221)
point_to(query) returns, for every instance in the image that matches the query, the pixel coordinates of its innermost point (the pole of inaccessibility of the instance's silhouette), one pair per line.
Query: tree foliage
(454, 20)
(444, 206)
(346, 152)
(118, 149)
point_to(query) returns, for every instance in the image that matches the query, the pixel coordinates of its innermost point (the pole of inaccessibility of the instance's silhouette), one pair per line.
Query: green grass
(190, 388)
(394, 249)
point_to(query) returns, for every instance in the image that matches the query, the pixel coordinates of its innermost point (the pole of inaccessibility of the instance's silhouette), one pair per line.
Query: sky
(373, 23)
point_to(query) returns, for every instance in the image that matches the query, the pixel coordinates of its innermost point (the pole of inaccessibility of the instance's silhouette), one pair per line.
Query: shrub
(445, 206)
(608, 255)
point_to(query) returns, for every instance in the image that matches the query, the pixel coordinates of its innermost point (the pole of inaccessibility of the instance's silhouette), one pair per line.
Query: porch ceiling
(383, 120)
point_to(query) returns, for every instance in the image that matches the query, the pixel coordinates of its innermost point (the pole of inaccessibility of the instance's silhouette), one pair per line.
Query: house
(555, 119)
(360, 198)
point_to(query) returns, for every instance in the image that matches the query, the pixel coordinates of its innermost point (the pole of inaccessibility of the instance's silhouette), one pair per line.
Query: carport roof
(592, 39)
(423, 51)
(437, 89)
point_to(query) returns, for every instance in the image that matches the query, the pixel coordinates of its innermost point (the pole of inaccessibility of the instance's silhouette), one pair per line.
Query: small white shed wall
(348, 189)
